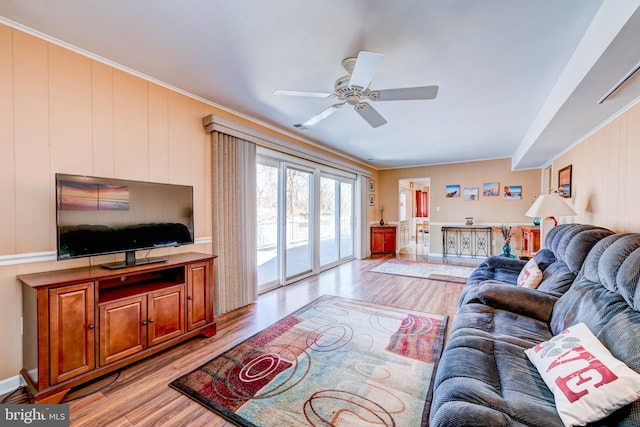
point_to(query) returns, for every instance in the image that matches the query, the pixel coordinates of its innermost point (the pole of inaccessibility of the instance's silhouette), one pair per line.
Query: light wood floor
(139, 395)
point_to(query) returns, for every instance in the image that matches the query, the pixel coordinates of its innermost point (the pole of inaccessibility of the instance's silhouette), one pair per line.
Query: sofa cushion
(484, 376)
(570, 246)
(517, 300)
(588, 383)
(544, 258)
(530, 276)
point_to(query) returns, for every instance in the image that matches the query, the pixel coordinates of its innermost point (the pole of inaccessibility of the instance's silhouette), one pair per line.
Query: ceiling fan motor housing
(350, 94)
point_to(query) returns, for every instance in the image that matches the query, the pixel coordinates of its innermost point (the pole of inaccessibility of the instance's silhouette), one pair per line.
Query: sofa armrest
(528, 302)
(500, 262)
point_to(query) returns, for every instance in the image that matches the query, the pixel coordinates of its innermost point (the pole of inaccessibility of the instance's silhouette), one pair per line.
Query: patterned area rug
(335, 361)
(445, 272)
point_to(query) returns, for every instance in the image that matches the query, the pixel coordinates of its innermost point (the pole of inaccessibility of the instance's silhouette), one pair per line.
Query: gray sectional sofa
(485, 378)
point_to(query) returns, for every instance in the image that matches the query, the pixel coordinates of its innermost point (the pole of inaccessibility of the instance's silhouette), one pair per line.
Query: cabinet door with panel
(165, 312)
(199, 298)
(123, 329)
(377, 242)
(71, 331)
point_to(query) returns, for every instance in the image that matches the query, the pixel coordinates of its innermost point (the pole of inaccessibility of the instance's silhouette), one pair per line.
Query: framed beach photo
(513, 192)
(471, 194)
(452, 191)
(491, 189)
(564, 182)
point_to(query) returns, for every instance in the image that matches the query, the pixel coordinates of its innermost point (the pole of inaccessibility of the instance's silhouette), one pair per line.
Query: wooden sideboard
(82, 323)
(383, 239)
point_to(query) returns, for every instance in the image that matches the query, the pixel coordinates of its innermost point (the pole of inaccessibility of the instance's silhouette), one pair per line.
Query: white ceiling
(517, 78)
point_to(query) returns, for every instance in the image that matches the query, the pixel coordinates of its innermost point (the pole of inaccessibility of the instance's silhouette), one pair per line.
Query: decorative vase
(536, 221)
(506, 251)
(381, 221)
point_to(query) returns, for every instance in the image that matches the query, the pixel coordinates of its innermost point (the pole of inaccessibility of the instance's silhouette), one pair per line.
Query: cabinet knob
(150, 320)
(190, 298)
(91, 326)
(144, 322)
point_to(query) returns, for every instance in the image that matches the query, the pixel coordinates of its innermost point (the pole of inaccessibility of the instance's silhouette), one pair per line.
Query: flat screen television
(98, 216)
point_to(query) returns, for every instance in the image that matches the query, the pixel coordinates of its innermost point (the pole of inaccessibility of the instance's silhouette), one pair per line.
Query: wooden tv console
(82, 323)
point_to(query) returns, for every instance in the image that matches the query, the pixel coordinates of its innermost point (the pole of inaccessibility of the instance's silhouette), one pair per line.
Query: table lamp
(547, 207)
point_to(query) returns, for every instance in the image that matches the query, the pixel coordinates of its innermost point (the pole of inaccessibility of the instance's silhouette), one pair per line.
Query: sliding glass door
(299, 222)
(305, 219)
(347, 222)
(336, 219)
(268, 213)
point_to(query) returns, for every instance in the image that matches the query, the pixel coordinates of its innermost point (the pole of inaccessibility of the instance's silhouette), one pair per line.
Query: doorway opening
(413, 216)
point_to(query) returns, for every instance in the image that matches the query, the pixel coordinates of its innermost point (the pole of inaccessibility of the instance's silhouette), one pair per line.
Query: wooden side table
(530, 238)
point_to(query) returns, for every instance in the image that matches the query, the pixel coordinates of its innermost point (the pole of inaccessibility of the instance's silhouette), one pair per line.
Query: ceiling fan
(353, 89)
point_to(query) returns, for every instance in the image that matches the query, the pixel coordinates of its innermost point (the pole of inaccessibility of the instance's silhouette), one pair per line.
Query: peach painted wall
(606, 173)
(486, 210)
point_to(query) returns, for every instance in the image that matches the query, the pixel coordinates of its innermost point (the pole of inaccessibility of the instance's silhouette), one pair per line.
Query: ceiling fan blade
(370, 114)
(323, 115)
(407, 93)
(302, 93)
(366, 66)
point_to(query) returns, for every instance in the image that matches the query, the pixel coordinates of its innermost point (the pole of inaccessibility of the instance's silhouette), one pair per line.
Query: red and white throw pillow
(530, 276)
(587, 382)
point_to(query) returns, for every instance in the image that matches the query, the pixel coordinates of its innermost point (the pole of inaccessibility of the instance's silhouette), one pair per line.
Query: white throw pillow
(587, 382)
(530, 276)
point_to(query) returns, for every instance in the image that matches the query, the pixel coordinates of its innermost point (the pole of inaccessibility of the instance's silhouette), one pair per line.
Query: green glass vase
(506, 251)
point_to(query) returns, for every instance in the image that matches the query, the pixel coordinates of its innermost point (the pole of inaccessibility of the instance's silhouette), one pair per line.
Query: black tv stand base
(132, 261)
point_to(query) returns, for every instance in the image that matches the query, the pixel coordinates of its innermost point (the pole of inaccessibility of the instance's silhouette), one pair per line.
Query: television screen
(96, 216)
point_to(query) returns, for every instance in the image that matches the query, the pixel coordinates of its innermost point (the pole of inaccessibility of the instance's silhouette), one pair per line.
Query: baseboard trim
(10, 384)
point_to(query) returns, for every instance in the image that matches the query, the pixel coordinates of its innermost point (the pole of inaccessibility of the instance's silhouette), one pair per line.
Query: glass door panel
(328, 220)
(267, 184)
(299, 226)
(346, 219)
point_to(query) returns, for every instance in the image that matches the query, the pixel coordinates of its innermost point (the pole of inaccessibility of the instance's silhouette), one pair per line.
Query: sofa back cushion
(567, 245)
(571, 243)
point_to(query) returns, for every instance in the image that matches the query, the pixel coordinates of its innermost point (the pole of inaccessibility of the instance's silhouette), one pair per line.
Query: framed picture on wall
(372, 185)
(452, 191)
(471, 194)
(564, 181)
(513, 192)
(372, 199)
(491, 189)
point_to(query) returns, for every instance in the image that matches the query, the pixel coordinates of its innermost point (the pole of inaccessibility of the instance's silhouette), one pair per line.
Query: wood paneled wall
(64, 112)
(605, 175)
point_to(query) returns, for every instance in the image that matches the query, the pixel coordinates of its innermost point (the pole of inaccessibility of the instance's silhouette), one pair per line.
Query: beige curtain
(234, 221)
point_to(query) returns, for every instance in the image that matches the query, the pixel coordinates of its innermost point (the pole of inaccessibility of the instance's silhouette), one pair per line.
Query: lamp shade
(550, 205)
